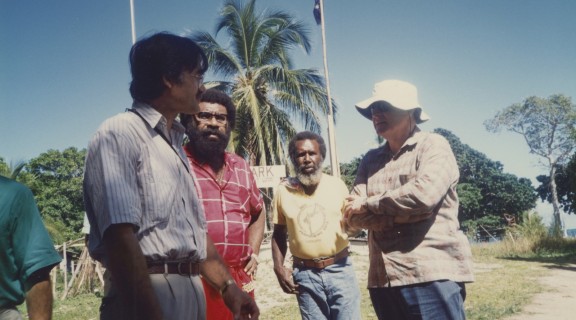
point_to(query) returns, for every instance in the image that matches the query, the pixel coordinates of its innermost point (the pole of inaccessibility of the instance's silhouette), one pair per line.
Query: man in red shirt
(232, 202)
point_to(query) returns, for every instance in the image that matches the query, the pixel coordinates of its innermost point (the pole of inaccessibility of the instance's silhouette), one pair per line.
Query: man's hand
(240, 303)
(357, 216)
(252, 265)
(285, 280)
(354, 205)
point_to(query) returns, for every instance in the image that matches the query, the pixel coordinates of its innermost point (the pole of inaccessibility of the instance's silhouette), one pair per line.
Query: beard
(310, 179)
(205, 148)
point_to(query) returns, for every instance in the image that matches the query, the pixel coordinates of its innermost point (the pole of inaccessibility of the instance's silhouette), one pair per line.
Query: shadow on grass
(560, 260)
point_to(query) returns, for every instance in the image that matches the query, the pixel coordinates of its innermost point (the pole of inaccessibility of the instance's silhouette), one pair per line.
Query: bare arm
(39, 297)
(279, 249)
(216, 273)
(256, 234)
(129, 272)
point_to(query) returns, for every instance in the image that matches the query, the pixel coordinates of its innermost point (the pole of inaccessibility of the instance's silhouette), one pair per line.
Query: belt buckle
(189, 268)
(316, 260)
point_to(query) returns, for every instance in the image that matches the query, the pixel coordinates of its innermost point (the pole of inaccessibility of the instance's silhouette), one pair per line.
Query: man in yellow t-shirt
(309, 208)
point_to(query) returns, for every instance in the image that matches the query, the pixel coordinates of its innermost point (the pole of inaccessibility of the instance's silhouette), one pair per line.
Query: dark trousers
(437, 300)
(181, 297)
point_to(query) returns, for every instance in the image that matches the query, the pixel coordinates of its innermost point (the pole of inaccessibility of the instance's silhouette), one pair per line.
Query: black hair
(162, 56)
(215, 96)
(306, 135)
(219, 97)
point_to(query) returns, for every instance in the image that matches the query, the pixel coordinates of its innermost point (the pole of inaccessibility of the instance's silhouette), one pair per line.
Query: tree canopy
(55, 178)
(547, 125)
(257, 71)
(57, 187)
(11, 171)
(484, 188)
(566, 186)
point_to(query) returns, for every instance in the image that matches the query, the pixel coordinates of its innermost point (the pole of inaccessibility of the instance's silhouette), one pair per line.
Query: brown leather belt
(185, 268)
(322, 262)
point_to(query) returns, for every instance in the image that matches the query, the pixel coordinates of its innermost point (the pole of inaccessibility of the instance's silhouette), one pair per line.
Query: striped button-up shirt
(133, 175)
(229, 204)
(419, 180)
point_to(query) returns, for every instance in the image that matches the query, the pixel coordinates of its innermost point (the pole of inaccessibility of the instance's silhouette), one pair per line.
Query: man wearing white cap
(405, 195)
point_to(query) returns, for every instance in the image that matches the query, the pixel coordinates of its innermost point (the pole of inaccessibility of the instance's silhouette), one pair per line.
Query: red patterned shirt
(229, 205)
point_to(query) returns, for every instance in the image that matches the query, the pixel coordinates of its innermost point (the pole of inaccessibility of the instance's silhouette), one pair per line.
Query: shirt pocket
(406, 178)
(237, 197)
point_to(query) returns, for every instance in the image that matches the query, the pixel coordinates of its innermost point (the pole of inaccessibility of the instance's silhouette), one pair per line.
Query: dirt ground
(268, 292)
(557, 302)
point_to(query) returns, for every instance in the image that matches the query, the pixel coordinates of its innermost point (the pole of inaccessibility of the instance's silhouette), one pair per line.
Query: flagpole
(331, 139)
(132, 23)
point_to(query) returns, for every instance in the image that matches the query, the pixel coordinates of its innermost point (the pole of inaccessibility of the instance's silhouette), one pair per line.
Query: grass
(502, 286)
(514, 267)
(290, 311)
(506, 278)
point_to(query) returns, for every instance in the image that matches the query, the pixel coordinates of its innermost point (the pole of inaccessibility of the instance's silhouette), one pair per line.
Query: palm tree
(259, 76)
(11, 170)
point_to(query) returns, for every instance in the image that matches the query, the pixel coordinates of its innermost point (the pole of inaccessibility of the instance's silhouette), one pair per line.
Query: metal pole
(335, 166)
(132, 23)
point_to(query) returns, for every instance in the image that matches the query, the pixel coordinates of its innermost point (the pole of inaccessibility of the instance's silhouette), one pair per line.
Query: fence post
(65, 259)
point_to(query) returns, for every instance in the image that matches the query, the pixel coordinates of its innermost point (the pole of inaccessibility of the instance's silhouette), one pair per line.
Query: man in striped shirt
(147, 226)
(232, 201)
(405, 195)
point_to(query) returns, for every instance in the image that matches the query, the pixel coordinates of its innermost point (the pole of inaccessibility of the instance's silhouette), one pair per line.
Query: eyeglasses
(206, 117)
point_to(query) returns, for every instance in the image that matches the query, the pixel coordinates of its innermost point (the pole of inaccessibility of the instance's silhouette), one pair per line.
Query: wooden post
(54, 276)
(65, 260)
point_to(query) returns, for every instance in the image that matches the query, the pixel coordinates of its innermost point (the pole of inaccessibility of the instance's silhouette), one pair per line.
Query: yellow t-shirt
(313, 221)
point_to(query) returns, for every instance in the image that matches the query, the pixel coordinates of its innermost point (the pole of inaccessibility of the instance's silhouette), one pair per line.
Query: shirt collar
(155, 118)
(411, 141)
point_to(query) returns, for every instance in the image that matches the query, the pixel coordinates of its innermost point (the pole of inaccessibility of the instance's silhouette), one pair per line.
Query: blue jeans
(436, 300)
(329, 293)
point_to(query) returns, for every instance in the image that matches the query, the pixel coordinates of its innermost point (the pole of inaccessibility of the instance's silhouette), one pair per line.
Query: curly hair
(306, 135)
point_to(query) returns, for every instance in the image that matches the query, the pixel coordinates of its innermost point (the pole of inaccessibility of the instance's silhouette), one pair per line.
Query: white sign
(268, 176)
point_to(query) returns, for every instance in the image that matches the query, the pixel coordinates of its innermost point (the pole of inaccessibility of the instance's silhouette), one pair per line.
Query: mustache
(209, 131)
(303, 167)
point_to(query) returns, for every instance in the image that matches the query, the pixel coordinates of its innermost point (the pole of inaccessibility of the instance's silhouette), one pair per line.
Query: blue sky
(64, 64)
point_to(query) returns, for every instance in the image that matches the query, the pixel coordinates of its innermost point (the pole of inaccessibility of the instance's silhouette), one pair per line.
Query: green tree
(58, 190)
(547, 125)
(56, 229)
(11, 171)
(565, 183)
(487, 193)
(258, 73)
(348, 171)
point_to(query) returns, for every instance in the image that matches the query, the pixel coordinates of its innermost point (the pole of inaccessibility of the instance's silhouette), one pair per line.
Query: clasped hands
(357, 215)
